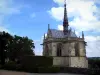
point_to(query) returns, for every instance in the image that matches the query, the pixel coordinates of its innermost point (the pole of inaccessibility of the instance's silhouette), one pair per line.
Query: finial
(44, 35)
(74, 31)
(48, 26)
(82, 34)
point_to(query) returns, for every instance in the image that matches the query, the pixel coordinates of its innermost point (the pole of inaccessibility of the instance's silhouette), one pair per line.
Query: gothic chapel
(65, 47)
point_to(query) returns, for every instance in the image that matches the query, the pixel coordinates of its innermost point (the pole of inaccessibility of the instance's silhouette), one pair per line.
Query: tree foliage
(15, 46)
(94, 62)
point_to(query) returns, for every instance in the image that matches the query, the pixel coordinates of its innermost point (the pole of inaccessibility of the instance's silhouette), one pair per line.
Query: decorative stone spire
(82, 35)
(65, 20)
(48, 26)
(74, 31)
(44, 35)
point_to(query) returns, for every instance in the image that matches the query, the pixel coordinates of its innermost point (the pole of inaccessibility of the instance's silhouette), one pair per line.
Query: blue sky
(31, 18)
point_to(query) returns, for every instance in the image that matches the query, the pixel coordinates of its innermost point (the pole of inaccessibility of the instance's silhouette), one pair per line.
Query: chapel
(66, 48)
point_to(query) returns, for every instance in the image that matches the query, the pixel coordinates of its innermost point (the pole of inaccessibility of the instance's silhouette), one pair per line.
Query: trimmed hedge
(50, 69)
(36, 61)
(43, 64)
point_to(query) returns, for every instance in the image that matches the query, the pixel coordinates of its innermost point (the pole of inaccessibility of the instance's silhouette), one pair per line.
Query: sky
(31, 18)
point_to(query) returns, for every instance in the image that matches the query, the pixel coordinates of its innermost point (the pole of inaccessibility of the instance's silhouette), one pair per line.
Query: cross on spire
(65, 20)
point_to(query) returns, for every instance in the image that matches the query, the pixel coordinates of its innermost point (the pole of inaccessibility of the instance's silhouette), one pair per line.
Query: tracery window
(59, 49)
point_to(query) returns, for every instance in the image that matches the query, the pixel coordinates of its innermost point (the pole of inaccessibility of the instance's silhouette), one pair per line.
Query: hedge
(36, 61)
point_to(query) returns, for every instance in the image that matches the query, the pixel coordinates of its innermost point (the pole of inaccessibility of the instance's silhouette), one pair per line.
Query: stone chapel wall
(80, 62)
(54, 49)
(82, 49)
(61, 61)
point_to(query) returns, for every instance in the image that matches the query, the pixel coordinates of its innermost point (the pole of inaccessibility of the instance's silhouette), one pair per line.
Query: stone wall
(80, 62)
(60, 61)
(82, 49)
(54, 49)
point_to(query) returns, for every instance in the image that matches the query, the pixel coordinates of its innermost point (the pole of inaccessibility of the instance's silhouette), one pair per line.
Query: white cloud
(60, 27)
(4, 29)
(7, 8)
(56, 13)
(82, 11)
(93, 46)
(59, 2)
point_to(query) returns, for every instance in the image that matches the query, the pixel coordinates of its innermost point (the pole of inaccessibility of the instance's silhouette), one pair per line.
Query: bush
(36, 61)
(10, 65)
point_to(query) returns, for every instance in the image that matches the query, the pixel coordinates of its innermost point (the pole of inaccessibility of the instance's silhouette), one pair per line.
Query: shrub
(36, 61)
(10, 65)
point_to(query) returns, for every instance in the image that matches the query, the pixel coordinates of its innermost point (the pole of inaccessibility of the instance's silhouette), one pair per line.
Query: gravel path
(5, 72)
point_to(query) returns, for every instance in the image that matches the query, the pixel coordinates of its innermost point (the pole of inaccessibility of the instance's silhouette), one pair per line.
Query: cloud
(60, 27)
(56, 13)
(4, 29)
(8, 8)
(85, 14)
(93, 46)
(59, 2)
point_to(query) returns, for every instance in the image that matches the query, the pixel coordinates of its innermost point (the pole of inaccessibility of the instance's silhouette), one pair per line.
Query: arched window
(59, 49)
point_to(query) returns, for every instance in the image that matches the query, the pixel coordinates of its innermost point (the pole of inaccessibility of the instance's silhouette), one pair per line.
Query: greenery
(36, 61)
(13, 47)
(35, 64)
(94, 65)
(94, 62)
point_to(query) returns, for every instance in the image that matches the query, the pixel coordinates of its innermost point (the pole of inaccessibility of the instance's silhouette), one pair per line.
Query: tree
(20, 46)
(3, 43)
(15, 46)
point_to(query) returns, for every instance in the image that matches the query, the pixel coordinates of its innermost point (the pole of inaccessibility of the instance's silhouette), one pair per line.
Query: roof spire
(82, 34)
(65, 20)
(48, 26)
(44, 35)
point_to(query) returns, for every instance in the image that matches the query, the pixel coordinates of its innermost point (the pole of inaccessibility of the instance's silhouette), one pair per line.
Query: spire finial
(65, 20)
(44, 35)
(48, 26)
(82, 34)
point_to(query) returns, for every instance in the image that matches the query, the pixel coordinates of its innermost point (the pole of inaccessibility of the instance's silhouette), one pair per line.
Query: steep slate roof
(59, 34)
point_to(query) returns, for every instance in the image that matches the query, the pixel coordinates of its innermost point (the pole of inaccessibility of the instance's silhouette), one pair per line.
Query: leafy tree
(94, 62)
(3, 43)
(15, 46)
